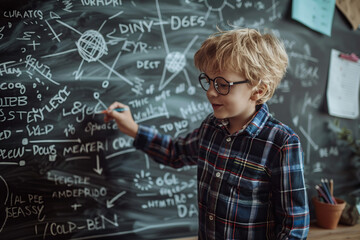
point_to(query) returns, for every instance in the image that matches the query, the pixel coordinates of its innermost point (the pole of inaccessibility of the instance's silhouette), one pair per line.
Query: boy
(250, 166)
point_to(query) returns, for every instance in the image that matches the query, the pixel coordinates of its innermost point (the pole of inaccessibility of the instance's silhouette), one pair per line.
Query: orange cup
(328, 215)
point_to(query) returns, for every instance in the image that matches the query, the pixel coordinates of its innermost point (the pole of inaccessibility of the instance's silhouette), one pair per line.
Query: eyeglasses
(220, 84)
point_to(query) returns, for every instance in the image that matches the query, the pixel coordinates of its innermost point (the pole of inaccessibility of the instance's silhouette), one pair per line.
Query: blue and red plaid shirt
(250, 184)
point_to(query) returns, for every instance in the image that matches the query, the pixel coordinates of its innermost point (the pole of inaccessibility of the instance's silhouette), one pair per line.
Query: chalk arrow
(109, 204)
(98, 170)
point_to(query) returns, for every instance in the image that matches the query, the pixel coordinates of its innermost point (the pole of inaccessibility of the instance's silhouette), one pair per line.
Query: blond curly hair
(261, 58)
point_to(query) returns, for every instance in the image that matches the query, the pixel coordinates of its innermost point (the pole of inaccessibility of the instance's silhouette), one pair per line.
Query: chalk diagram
(91, 46)
(174, 61)
(143, 180)
(216, 6)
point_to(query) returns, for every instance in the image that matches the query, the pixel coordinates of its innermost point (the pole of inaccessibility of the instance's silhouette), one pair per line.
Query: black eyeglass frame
(202, 75)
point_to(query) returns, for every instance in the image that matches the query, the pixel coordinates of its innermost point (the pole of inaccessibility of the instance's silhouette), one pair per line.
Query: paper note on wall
(351, 10)
(315, 14)
(343, 87)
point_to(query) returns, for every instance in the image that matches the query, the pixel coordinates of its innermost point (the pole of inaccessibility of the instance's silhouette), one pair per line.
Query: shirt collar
(255, 126)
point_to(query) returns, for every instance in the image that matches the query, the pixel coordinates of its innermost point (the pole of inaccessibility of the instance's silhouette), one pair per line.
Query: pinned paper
(343, 86)
(351, 10)
(315, 14)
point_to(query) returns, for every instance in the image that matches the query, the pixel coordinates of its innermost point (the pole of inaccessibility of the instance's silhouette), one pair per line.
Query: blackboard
(65, 174)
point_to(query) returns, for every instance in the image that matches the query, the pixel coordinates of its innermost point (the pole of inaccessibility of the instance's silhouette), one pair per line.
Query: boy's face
(237, 105)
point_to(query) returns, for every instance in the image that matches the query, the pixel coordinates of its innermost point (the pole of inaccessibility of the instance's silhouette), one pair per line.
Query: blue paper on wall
(315, 14)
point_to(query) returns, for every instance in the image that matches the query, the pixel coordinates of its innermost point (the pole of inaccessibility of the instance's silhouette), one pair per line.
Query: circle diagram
(91, 46)
(175, 62)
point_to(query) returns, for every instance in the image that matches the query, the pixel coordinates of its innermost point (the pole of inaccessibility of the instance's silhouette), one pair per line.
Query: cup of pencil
(328, 209)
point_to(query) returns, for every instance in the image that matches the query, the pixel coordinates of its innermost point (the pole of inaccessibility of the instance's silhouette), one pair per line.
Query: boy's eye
(221, 83)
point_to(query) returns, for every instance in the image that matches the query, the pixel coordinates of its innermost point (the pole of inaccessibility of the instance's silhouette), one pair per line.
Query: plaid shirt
(250, 184)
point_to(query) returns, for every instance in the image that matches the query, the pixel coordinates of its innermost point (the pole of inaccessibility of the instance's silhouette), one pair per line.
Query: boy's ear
(258, 92)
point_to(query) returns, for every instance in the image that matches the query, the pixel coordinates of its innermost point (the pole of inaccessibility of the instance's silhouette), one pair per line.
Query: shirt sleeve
(168, 151)
(290, 200)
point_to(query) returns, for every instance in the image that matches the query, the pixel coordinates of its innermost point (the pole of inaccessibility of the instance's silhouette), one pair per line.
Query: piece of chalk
(116, 109)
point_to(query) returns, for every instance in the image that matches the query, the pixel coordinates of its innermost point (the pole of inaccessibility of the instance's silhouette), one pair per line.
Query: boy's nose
(212, 91)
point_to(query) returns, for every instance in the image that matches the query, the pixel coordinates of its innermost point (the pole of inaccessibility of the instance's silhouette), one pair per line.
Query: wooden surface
(342, 232)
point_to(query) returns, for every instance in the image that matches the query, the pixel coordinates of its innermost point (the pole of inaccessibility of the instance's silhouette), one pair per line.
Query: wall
(64, 173)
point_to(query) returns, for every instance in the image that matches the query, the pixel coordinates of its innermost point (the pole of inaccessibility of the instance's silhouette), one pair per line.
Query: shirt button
(228, 139)
(211, 218)
(218, 174)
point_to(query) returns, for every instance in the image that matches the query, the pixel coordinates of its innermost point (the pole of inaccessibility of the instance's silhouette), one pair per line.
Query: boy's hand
(124, 120)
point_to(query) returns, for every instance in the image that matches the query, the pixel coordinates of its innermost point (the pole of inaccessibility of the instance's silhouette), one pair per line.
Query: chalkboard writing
(65, 174)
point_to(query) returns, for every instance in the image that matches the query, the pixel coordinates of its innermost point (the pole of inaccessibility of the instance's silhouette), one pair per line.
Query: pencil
(327, 184)
(322, 194)
(321, 198)
(115, 109)
(331, 186)
(326, 191)
(331, 189)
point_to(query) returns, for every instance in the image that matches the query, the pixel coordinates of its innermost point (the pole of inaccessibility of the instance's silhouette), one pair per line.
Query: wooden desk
(316, 233)
(340, 233)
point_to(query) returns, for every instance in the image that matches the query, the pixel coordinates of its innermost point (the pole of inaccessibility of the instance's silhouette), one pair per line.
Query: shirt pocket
(249, 182)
